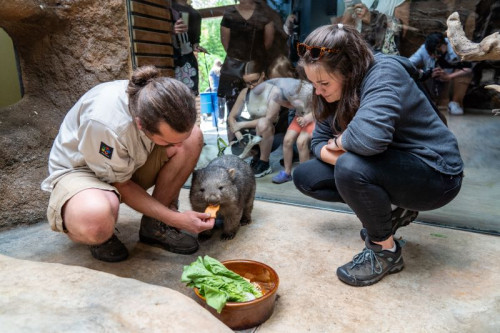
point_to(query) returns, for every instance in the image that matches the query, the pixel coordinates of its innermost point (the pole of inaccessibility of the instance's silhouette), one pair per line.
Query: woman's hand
(236, 127)
(330, 156)
(335, 144)
(199, 48)
(180, 26)
(362, 12)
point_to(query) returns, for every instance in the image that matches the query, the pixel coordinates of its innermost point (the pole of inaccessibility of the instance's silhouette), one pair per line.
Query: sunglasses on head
(316, 52)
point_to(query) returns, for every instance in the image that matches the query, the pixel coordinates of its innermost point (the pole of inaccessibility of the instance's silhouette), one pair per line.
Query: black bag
(231, 74)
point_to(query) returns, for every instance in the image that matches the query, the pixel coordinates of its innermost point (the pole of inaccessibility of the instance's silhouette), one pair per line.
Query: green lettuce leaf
(218, 284)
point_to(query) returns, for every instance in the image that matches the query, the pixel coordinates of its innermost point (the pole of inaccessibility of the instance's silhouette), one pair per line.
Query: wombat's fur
(229, 182)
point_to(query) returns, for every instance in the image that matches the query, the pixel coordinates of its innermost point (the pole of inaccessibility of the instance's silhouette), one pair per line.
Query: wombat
(229, 182)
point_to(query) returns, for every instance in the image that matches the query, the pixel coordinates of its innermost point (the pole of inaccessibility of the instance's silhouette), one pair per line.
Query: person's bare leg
(90, 216)
(288, 141)
(181, 163)
(460, 86)
(303, 142)
(265, 129)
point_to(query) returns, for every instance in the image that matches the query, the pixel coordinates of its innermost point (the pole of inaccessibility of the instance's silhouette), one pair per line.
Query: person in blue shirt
(444, 71)
(214, 78)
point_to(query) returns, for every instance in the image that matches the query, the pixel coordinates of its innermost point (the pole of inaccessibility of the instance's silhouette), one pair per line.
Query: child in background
(300, 129)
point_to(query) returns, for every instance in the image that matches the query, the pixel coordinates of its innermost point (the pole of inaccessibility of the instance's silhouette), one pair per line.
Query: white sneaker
(455, 109)
(252, 141)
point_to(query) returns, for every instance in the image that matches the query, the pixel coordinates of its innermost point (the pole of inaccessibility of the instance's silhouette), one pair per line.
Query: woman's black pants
(370, 184)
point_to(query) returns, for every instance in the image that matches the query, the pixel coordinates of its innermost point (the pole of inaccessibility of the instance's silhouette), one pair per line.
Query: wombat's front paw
(205, 235)
(227, 236)
(245, 221)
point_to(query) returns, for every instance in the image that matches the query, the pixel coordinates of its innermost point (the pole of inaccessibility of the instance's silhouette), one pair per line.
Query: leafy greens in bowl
(218, 284)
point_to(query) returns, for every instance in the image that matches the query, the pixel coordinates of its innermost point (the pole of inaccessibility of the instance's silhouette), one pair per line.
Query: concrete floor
(450, 282)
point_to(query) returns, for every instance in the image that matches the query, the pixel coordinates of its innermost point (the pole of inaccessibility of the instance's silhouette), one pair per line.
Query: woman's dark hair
(352, 62)
(253, 67)
(153, 98)
(433, 40)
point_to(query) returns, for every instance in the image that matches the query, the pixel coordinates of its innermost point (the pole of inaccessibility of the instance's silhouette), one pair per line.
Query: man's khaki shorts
(77, 181)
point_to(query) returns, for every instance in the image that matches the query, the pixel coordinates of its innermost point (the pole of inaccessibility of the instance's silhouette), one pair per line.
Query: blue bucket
(209, 105)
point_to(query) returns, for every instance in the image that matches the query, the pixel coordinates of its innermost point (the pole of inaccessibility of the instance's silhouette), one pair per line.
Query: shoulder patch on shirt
(106, 150)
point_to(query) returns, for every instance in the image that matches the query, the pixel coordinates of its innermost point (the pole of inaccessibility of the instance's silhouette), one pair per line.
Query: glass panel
(476, 129)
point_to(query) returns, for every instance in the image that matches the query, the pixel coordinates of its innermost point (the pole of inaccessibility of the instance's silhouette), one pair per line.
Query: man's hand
(194, 222)
(439, 74)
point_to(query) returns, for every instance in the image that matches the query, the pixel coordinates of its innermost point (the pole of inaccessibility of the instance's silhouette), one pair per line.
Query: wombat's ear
(231, 173)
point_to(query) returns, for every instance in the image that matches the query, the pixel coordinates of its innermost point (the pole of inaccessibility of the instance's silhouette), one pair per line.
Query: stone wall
(65, 47)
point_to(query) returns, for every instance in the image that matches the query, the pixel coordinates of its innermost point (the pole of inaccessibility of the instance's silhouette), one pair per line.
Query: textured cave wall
(64, 47)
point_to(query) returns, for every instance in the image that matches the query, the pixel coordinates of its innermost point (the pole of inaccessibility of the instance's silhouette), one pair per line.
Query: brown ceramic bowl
(244, 315)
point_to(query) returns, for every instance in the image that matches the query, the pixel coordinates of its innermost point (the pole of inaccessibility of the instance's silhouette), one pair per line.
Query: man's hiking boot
(371, 265)
(155, 232)
(400, 217)
(112, 250)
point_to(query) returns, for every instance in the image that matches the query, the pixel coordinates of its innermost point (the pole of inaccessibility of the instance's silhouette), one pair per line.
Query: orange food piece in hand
(212, 210)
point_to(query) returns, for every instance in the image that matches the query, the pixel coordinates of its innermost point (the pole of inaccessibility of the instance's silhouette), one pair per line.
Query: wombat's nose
(213, 200)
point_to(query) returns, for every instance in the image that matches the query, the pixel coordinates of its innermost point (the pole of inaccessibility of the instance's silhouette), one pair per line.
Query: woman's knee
(302, 179)
(264, 127)
(349, 169)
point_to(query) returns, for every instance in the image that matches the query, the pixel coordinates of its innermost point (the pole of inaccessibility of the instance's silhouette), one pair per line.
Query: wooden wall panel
(148, 10)
(161, 62)
(140, 35)
(151, 26)
(153, 49)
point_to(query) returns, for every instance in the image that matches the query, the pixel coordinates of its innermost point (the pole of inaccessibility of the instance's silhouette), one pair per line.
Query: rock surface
(64, 48)
(46, 297)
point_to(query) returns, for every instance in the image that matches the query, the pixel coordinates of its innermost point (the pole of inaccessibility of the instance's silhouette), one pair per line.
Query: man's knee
(191, 147)
(196, 138)
(90, 217)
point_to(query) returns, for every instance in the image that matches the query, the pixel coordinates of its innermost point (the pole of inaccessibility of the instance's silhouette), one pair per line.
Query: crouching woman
(379, 144)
